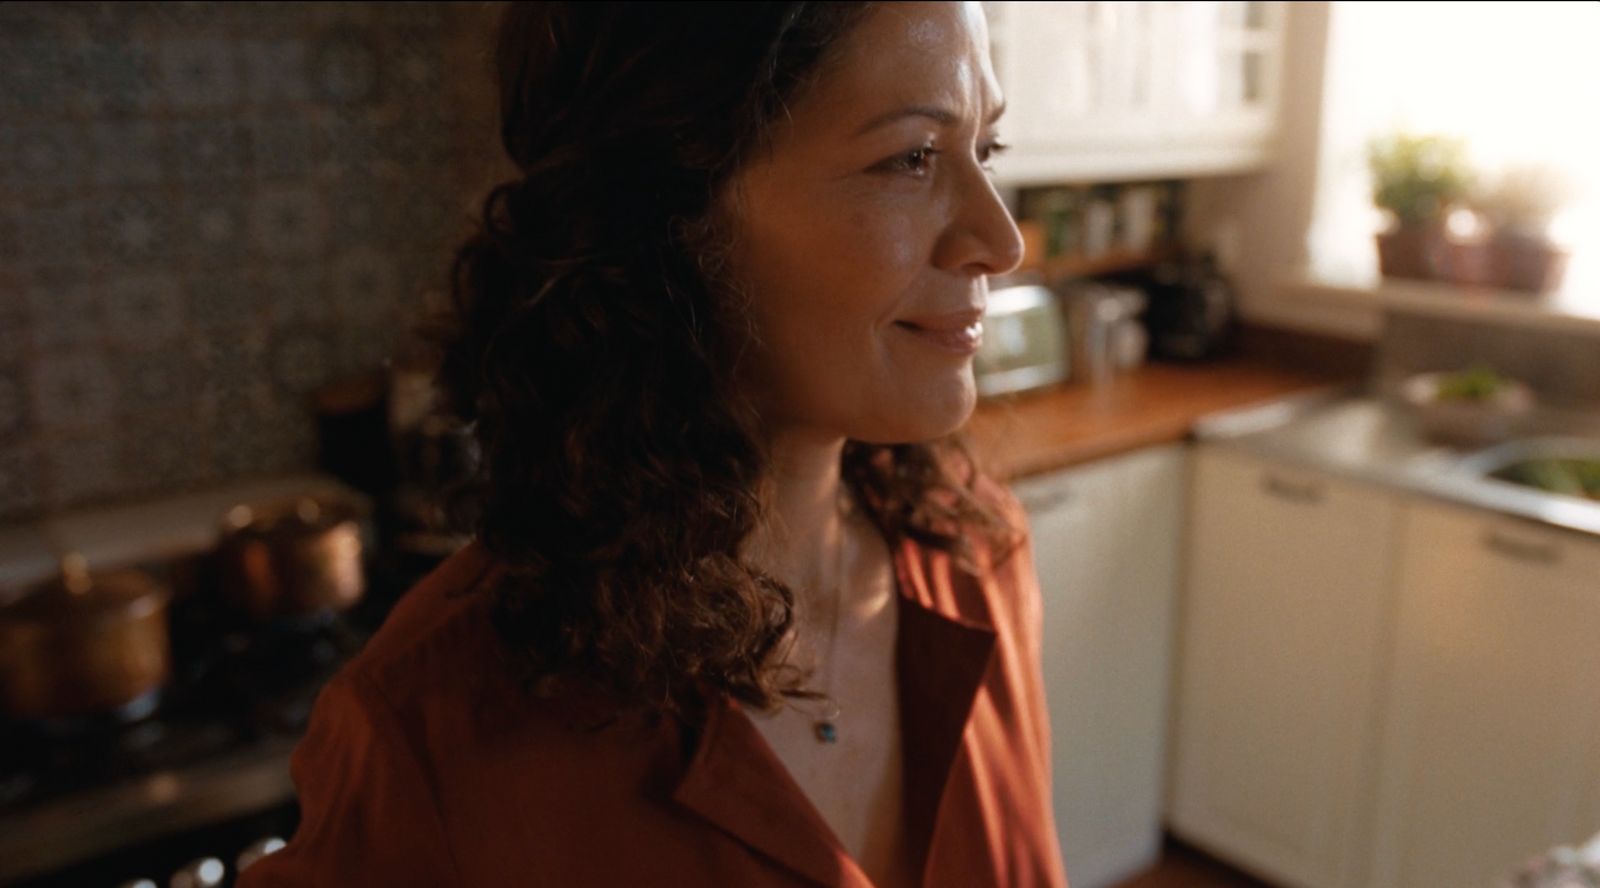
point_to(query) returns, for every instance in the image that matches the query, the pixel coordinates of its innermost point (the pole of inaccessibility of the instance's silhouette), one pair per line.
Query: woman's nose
(982, 238)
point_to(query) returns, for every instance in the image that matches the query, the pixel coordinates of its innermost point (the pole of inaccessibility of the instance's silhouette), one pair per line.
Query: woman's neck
(805, 525)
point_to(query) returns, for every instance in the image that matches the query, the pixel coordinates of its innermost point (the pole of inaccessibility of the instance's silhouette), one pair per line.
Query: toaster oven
(1026, 341)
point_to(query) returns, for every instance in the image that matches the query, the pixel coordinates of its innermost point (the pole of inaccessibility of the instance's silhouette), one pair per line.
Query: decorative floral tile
(108, 18)
(74, 390)
(16, 322)
(302, 359)
(16, 415)
(215, 207)
(189, 14)
(144, 309)
(134, 229)
(232, 363)
(359, 213)
(21, 488)
(216, 222)
(41, 155)
(430, 17)
(220, 298)
(10, 244)
(154, 378)
(54, 234)
(345, 68)
(82, 469)
(295, 294)
(347, 13)
(426, 216)
(205, 151)
(126, 152)
(34, 70)
(345, 143)
(415, 141)
(259, 437)
(282, 145)
(114, 75)
(416, 65)
(198, 74)
(288, 221)
(366, 347)
(275, 70)
(63, 311)
(364, 284)
(162, 451)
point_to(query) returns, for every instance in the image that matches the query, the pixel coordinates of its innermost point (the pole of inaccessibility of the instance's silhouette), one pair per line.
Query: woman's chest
(856, 780)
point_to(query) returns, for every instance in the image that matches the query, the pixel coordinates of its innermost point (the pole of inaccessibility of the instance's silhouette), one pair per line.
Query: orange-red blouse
(421, 767)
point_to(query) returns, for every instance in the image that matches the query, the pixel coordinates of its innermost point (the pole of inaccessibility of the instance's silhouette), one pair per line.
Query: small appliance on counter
(1026, 340)
(1108, 338)
(1192, 310)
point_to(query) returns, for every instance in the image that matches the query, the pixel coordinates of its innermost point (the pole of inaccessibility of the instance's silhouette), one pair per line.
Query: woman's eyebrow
(942, 116)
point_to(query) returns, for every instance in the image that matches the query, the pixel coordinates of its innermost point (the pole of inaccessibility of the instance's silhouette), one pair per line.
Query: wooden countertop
(1073, 423)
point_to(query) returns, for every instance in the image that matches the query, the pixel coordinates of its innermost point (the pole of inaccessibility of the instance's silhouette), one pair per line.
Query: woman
(738, 610)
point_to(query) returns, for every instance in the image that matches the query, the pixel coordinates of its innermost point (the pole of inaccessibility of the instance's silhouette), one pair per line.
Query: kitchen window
(1520, 82)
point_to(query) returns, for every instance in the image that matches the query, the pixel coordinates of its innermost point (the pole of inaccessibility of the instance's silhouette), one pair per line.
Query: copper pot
(293, 558)
(85, 644)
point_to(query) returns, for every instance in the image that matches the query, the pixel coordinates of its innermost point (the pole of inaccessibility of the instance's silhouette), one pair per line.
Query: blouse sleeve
(368, 815)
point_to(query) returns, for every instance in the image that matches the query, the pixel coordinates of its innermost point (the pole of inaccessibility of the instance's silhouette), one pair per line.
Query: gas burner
(96, 723)
(221, 729)
(16, 785)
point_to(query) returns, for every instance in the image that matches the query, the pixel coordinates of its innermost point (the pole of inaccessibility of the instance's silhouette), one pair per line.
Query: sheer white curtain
(1519, 80)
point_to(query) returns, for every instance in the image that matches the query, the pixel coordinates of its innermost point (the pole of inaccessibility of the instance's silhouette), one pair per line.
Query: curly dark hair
(593, 345)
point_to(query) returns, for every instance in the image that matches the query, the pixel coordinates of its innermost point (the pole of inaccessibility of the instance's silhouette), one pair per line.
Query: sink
(1561, 465)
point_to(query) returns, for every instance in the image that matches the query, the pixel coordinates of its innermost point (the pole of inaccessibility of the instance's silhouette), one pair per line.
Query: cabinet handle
(1283, 488)
(1044, 502)
(1533, 553)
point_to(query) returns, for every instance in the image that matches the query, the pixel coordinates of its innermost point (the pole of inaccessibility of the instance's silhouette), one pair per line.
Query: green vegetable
(1474, 384)
(1573, 477)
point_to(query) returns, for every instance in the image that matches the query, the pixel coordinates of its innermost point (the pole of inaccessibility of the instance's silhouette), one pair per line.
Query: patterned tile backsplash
(208, 210)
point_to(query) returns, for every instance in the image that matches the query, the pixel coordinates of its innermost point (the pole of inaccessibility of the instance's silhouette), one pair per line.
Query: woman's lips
(962, 340)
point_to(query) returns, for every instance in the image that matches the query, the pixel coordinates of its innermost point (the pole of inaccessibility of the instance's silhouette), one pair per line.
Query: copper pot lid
(290, 517)
(78, 595)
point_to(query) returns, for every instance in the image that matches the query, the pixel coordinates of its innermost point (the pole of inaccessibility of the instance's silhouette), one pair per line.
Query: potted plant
(1519, 205)
(1417, 179)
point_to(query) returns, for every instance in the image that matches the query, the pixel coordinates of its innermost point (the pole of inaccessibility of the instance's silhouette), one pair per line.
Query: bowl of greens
(1469, 407)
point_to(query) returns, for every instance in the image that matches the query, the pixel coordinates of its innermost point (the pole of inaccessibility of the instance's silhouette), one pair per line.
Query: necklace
(823, 726)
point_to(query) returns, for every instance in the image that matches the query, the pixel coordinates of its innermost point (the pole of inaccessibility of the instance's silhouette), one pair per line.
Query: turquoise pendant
(826, 732)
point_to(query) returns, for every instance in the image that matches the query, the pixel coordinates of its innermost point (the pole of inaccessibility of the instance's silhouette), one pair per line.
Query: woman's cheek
(894, 236)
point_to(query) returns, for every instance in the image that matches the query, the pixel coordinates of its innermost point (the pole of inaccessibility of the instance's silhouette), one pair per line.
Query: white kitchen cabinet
(1283, 627)
(1491, 751)
(1135, 90)
(1106, 544)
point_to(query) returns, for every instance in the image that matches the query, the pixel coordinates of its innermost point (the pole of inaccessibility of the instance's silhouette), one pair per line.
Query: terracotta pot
(1470, 263)
(85, 644)
(1412, 251)
(1529, 264)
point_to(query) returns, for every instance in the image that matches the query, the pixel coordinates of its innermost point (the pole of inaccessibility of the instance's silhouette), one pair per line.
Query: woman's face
(866, 235)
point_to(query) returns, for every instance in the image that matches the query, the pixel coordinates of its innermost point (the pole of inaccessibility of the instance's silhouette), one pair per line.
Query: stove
(197, 769)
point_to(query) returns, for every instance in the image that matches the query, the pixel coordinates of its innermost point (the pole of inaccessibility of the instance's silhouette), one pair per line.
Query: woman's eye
(993, 150)
(918, 160)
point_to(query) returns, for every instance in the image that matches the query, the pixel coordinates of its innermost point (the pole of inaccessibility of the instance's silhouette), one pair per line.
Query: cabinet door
(1128, 90)
(1282, 625)
(1491, 751)
(1106, 540)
